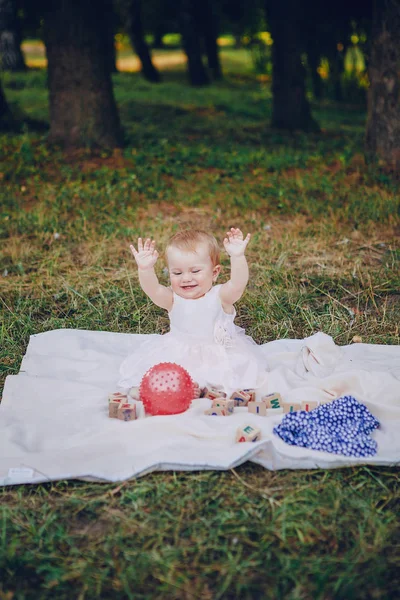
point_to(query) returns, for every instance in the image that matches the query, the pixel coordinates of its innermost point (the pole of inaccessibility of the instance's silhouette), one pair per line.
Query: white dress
(205, 341)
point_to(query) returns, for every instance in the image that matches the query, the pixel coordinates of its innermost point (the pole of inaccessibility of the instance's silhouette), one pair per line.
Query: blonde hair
(188, 240)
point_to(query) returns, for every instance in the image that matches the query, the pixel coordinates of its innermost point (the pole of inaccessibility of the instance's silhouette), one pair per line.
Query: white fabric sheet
(54, 414)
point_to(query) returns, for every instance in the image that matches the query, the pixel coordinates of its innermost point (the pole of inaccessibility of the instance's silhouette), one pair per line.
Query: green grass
(247, 533)
(324, 256)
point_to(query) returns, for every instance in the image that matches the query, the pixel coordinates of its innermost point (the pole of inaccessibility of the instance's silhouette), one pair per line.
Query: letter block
(272, 412)
(218, 411)
(248, 433)
(126, 412)
(273, 400)
(213, 393)
(252, 393)
(240, 398)
(257, 408)
(308, 405)
(224, 403)
(291, 406)
(118, 396)
(113, 406)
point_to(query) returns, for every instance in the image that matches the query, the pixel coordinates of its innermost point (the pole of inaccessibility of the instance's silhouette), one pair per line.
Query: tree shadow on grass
(223, 126)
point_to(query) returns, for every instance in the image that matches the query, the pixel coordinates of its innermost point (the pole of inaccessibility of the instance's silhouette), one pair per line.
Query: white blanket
(54, 416)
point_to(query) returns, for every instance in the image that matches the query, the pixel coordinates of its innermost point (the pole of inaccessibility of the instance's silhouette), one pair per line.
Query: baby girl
(203, 337)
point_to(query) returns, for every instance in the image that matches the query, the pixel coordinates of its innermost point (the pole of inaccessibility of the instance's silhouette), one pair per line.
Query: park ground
(324, 256)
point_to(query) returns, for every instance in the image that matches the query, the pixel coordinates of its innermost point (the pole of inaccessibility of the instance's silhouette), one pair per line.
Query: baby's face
(192, 273)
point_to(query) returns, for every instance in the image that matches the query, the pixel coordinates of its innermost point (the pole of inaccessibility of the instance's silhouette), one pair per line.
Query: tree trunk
(290, 107)
(336, 70)
(82, 104)
(238, 41)
(158, 37)
(382, 143)
(7, 121)
(314, 58)
(110, 42)
(192, 43)
(12, 58)
(208, 20)
(132, 12)
(111, 53)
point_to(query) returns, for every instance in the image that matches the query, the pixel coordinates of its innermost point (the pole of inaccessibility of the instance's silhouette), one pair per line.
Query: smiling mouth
(188, 287)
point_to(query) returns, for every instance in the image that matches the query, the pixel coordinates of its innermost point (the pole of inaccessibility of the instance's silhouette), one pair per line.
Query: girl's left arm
(235, 245)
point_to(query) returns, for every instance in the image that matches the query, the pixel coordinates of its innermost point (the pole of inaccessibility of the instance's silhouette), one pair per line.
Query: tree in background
(207, 17)
(242, 18)
(290, 107)
(192, 43)
(6, 118)
(383, 124)
(82, 106)
(328, 31)
(131, 11)
(113, 23)
(159, 18)
(198, 25)
(11, 55)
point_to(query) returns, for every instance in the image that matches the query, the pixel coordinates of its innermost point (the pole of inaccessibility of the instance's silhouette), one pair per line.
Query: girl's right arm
(146, 257)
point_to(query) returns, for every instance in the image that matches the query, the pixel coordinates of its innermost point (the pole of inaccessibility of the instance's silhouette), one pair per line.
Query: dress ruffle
(206, 342)
(238, 364)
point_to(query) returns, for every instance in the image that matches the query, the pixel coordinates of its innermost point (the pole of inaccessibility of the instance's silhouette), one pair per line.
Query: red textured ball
(166, 389)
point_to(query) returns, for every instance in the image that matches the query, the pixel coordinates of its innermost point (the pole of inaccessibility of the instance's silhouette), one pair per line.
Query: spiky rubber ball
(166, 389)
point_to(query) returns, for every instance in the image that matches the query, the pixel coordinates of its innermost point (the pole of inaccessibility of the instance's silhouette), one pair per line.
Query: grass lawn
(324, 256)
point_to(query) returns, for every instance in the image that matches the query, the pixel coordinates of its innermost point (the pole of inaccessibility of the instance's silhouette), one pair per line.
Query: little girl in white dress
(203, 337)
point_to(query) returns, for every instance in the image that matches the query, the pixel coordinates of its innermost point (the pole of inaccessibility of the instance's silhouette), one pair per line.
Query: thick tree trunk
(11, 55)
(132, 12)
(192, 43)
(290, 107)
(383, 125)
(209, 29)
(82, 105)
(111, 53)
(110, 41)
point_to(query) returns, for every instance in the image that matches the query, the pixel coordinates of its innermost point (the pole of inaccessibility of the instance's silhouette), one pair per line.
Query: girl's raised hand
(234, 244)
(146, 255)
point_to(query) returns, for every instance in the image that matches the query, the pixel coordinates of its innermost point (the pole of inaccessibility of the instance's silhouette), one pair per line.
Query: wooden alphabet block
(240, 398)
(218, 411)
(113, 408)
(291, 406)
(126, 412)
(252, 393)
(224, 403)
(308, 405)
(212, 394)
(273, 400)
(118, 396)
(248, 433)
(258, 408)
(272, 412)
